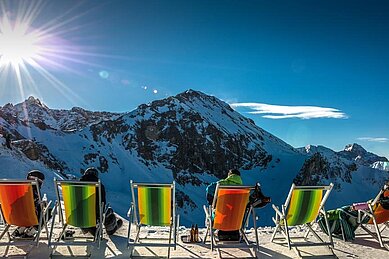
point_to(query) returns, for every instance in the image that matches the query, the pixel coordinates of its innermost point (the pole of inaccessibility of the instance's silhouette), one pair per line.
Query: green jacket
(231, 180)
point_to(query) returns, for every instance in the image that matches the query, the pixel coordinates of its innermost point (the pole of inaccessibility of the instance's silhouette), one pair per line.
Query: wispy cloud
(271, 111)
(370, 139)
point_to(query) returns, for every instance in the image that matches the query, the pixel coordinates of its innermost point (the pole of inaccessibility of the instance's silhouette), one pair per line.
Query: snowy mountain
(35, 112)
(380, 165)
(192, 138)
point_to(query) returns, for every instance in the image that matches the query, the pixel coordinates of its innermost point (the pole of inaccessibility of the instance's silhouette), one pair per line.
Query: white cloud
(370, 139)
(284, 112)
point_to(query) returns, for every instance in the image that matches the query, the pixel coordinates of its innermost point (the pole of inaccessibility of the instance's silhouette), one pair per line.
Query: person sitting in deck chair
(233, 178)
(110, 224)
(28, 232)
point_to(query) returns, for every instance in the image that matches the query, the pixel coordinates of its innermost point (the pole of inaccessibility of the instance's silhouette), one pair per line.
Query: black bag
(110, 223)
(257, 199)
(233, 235)
(384, 201)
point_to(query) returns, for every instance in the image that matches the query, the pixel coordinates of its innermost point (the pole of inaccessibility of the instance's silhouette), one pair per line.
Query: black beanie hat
(36, 174)
(91, 171)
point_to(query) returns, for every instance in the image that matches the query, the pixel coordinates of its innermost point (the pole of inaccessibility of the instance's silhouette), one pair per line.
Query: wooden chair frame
(210, 224)
(133, 216)
(59, 210)
(282, 223)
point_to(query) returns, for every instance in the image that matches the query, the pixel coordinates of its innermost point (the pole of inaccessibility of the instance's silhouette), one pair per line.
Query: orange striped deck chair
(376, 215)
(153, 205)
(303, 205)
(18, 210)
(78, 205)
(227, 213)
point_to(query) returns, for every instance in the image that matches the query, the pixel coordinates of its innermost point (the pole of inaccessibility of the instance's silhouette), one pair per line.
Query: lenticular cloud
(284, 112)
(371, 139)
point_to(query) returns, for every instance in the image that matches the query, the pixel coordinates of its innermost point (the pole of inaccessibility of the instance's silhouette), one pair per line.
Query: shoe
(30, 232)
(68, 235)
(18, 232)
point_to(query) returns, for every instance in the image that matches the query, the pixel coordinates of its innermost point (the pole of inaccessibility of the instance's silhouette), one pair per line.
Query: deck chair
(83, 208)
(375, 214)
(153, 205)
(302, 206)
(227, 213)
(18, 210)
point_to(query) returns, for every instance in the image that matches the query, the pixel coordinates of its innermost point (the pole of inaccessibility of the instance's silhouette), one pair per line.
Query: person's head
(36, 175)
(91, 173)
(233, 171)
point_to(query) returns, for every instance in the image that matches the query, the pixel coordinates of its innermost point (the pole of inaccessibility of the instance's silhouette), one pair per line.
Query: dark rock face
(176, 133)
(317, 170)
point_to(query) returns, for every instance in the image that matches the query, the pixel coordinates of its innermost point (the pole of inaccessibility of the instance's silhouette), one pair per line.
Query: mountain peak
(193, 94)
(355, 148)
(31, 100)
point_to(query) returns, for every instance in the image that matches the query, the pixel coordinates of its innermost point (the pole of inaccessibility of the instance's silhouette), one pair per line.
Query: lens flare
(32, 49)
(17, 45)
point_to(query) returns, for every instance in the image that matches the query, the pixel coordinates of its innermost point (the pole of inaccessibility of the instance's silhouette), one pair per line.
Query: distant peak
(31, 100)
(354, 148)
(191, 93)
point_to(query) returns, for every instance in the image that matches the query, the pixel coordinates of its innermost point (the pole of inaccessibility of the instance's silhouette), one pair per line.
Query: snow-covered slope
(380, 165)
(192, 138)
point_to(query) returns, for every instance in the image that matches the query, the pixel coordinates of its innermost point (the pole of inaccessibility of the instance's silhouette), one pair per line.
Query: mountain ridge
(192, 138)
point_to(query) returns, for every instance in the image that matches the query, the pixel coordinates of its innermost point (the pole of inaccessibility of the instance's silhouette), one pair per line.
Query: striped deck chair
(227, 213)
(81, 207)
(303, 205)
(18, 210)
(375, 215)
(153, 205)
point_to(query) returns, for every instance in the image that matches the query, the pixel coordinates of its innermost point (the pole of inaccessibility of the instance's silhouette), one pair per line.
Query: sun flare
(17, 45)
(34, 51)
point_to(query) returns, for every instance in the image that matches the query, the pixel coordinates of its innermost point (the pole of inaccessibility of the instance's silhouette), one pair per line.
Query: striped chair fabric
(230, 208)
(80, 204)
(17, 204)
(155, 205)
(304, 206)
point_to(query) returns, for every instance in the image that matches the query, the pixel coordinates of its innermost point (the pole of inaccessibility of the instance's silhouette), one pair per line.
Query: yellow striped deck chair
(79, 205)
(18, 210)
(303, 205)
(153, 205)
(227, 213)
(376, 215)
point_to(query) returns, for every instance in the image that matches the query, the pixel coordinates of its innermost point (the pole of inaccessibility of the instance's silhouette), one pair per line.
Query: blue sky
(115, 55)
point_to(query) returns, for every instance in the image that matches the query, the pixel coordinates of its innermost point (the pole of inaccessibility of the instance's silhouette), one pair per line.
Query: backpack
(384, 200)
(110, 223)
(257, 199)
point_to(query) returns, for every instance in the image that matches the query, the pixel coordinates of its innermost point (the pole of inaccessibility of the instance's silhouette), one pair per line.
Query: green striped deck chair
(303, 205)
(17, 209)
(153, 205)
(227, 213)
(78, 205)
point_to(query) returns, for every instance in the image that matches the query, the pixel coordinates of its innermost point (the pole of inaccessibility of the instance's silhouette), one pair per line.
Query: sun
(34, 49)
(18, 46)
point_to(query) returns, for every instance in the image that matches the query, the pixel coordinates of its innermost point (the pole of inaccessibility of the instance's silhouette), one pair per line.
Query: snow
(115, 246)
(381, 165)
